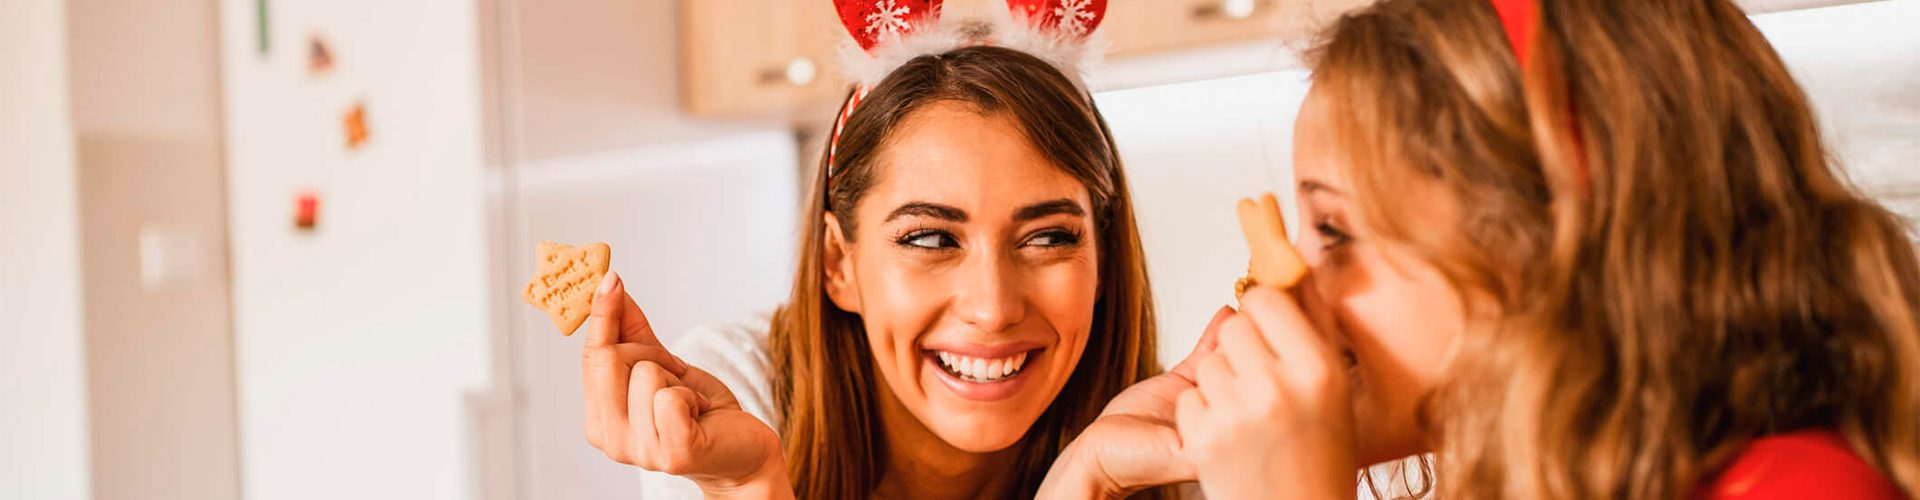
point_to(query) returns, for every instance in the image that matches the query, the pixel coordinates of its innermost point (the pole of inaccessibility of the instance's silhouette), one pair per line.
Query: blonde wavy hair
(1679, 266)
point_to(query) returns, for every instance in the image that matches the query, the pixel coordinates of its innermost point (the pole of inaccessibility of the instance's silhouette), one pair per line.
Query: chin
(979, 433)
(1379, 441)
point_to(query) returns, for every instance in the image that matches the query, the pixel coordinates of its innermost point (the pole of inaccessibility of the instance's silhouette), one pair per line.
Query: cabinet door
(757, 57)
(1147, 26)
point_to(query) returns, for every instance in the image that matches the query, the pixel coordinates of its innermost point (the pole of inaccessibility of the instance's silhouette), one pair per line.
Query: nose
(988, 295)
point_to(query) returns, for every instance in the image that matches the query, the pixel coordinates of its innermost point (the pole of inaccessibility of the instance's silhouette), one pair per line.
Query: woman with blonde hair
(1575, 249)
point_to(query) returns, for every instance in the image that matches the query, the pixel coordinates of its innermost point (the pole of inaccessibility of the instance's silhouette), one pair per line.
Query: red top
(1803, 464)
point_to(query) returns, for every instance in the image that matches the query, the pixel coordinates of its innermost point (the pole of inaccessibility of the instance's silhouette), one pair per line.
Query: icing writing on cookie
(564, 281)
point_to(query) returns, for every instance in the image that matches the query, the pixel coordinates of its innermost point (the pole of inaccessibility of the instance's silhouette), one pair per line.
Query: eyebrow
(1047, 208)
(1311, 186)
(948, 213)
(924, 209)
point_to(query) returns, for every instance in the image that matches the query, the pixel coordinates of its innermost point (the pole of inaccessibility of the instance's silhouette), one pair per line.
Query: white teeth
(981, 370)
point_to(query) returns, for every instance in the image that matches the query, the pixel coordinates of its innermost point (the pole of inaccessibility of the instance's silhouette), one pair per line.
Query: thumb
(605, 316)
(1209, 340)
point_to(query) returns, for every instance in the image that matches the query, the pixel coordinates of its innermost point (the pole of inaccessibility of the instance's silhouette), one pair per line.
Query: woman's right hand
(646, 407)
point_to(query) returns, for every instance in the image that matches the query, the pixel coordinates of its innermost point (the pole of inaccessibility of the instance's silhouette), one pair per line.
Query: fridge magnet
(260, 25)
(306, 211)
(319, 56)
(355, 123)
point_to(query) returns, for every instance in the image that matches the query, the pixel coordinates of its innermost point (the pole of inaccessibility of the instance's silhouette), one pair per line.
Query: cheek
(1401, 320)
(899, 291)
(1064, 293)
(1400, 331)
(899, 299)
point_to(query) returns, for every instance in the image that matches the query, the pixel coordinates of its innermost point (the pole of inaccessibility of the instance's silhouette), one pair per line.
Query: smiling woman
(970, 296)
(985, 292)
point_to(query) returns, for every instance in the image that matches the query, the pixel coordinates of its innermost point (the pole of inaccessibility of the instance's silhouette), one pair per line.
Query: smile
(983, 373)
(978, 370)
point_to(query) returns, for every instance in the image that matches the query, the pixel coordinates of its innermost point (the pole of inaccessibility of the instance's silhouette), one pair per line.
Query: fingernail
(606, 283)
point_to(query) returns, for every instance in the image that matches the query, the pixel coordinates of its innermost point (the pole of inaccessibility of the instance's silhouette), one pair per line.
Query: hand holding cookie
(1273, 400)
(646, 407)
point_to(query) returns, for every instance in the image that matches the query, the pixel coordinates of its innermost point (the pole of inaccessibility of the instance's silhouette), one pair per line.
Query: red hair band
(1520, 19)
(891, 32)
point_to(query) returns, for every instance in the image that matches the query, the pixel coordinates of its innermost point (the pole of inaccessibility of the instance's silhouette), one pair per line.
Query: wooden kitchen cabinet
(778, 58)
(758, 58)
(1141, 27)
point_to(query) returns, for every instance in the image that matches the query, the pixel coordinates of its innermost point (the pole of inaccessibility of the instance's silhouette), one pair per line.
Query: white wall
(359, 343)
(43, 406)
(1861, 65)
(1191, 150)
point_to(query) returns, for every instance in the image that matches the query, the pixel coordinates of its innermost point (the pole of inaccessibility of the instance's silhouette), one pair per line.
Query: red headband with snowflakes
(888, 33)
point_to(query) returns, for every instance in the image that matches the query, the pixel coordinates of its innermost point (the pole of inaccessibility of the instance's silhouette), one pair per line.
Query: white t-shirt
(735, 352)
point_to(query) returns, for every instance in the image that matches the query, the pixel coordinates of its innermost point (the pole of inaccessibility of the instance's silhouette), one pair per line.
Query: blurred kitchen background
(271, 249)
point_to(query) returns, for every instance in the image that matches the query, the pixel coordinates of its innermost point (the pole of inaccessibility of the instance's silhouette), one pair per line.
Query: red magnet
(306, 211)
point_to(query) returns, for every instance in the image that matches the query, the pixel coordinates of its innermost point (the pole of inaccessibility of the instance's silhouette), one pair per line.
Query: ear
(836, 256)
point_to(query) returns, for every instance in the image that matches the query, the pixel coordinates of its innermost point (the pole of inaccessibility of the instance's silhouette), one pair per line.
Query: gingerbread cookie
(1274, 261)
(564, 281)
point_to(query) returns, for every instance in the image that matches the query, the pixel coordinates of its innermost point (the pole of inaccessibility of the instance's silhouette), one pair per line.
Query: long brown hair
(824, 379)
(1679, 267)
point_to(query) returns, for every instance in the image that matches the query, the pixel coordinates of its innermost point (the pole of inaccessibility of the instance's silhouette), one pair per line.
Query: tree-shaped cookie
(564, 280)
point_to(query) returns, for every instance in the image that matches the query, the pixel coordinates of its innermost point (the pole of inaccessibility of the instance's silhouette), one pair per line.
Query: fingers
(604, 378)
(615, 317)
(606, 373)
(1213, 379)
(1244, 348)
(643, 435)
(676, 413)
(1209, 340)
(1287, 330)
(1188, 411)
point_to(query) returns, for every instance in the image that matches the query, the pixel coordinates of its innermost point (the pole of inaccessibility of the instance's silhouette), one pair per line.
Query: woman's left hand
(1271, 416)
(1133, 444)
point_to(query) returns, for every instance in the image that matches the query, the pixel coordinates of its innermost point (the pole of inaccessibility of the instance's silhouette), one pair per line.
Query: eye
(1054, 238)
(1331, 237)
(929, 239)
